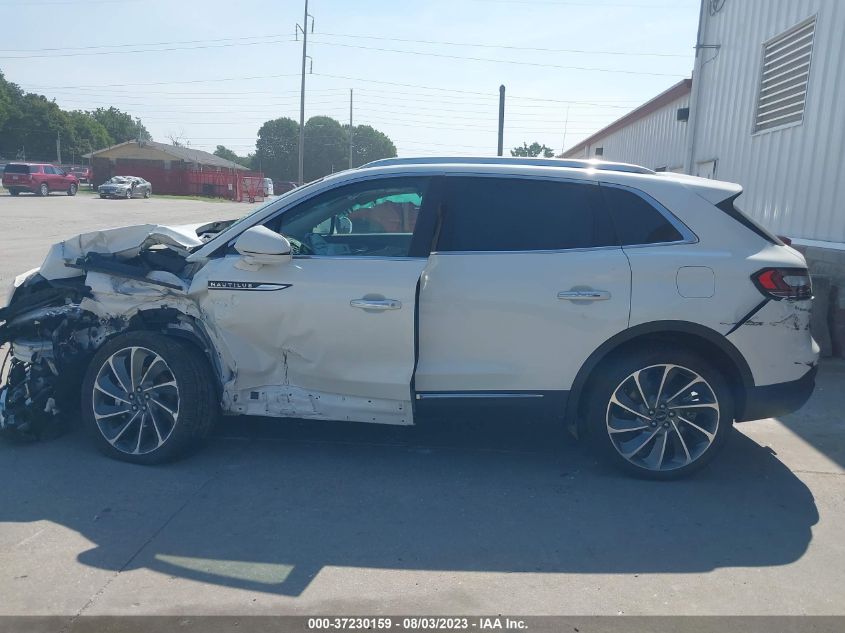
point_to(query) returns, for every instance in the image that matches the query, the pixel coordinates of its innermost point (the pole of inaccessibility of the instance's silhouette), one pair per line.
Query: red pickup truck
(38, 178)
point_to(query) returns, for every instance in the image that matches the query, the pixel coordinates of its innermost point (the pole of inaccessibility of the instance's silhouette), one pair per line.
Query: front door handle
(376, 304)
(584, 295)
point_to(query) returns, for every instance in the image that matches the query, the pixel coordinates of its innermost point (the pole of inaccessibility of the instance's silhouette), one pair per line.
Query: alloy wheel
(662, 417)
(136, 400)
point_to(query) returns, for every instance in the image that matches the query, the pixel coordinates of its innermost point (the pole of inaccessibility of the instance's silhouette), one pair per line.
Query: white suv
(642, 309)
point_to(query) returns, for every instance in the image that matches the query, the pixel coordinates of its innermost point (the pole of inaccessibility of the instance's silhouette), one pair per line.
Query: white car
(642, 309)
(268, 187)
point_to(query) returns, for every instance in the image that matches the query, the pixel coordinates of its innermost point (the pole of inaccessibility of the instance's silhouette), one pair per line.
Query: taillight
(784, 283)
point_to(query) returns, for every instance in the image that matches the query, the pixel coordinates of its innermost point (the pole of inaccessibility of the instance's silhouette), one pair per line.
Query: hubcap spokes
(136, 400)
(662, 417)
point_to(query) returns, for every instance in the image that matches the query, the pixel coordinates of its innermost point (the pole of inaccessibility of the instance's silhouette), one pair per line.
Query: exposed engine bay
(88, 289)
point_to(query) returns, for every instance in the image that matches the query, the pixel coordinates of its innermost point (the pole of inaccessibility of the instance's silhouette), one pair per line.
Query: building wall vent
(784, 76)
(683, 114)
(599, 151)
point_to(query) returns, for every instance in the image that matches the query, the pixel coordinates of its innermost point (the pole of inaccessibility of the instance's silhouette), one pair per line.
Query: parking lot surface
(460, 517)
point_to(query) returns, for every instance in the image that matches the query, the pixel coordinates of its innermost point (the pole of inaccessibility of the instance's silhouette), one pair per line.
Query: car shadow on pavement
(268, 504)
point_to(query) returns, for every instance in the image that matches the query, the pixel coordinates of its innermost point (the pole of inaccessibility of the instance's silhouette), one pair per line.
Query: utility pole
(350, 128)
(501, 120)
(565, 129)
(59, 148)
(304, 30)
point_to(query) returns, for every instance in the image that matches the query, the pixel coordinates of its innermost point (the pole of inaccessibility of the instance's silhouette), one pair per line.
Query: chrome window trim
(385, 257)
(547, 251)
(689, 237)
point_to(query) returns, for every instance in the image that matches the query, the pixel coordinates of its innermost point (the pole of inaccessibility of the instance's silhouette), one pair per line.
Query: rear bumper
(778, 399)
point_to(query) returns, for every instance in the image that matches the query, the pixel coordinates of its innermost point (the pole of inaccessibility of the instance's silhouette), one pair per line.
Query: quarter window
(636, 220)
(512, 214)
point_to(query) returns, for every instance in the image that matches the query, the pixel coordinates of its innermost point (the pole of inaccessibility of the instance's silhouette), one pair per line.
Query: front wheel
(71, 191)
(14, 192)
(128, 194)
(148, 398)
(659, 412)
(147, 193)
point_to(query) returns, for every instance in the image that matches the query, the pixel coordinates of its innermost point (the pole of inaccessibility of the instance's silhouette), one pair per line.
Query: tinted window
(373, 218)
(636, 220)
(16, 169)
(510, 214)
(49, 170)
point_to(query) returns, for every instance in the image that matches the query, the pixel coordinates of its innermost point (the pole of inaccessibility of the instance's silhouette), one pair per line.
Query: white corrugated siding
(657, 140)
(794, 177)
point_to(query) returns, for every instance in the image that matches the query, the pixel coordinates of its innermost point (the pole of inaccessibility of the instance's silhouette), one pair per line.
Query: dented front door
(317, 337)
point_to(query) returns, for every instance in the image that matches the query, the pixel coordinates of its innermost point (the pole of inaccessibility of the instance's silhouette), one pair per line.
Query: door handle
(376, 304)
(584, 295)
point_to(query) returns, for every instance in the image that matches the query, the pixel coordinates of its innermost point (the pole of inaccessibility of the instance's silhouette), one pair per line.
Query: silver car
(125, 187)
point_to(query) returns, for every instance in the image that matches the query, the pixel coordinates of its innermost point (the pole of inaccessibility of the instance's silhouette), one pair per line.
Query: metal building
(766, 104)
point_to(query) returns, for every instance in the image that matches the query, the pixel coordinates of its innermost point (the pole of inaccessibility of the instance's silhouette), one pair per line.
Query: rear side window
(511, 214)
(16, 169)
(636, 220)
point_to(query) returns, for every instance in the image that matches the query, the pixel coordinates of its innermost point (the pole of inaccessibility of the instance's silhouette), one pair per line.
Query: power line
(502, 61)
(142, 50)
(510, 47)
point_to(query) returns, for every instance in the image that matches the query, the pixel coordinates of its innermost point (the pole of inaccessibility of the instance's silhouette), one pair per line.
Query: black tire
(43, 189)
(71, 191)
(128, 194)
(102, 196)
(686, 438)
(14, 192)
(147, 193)
(196, 405)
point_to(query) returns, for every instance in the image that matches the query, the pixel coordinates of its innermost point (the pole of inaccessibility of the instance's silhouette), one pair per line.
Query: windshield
(118, 180)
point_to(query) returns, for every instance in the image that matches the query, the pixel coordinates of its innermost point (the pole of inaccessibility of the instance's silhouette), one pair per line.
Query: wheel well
(722, 355)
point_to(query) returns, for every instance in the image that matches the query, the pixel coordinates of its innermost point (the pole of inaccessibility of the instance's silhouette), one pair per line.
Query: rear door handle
(376, 304)
(584, 295)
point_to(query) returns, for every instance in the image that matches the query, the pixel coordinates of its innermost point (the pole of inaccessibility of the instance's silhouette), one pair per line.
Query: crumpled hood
(124, 242)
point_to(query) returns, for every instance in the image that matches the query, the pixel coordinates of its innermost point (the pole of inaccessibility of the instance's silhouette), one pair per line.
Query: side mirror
(259, 246)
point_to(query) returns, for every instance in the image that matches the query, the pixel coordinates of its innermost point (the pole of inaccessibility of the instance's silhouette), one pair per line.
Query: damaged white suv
(643, 309)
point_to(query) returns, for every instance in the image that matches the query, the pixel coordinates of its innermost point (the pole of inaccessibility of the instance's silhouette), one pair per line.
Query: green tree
(83, 134)
(224, 152)
(120, 125)
(368, 144)
(277, 147)
(32, 128)
(535, 149)
(326, 147)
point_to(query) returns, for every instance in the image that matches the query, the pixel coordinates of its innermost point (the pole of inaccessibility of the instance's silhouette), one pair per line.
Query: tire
(14, 192)
(43, 189)
(102, 197)
(173, 418)
(659, 438)
(128, 194)
(71, 191)
(147, 193)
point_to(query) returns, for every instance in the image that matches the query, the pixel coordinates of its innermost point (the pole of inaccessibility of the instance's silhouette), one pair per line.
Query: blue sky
(236, 64)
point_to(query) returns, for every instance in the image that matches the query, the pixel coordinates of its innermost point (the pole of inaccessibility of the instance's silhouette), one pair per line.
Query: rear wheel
(148, 398)
(659, 412)
(43, 190)
(71, 191)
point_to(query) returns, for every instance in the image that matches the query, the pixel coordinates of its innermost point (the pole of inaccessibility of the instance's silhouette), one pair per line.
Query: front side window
(636, 220)
(513, 214)
(375, 218)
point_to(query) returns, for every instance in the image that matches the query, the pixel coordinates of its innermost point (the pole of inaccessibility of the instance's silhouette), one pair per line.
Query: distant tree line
(30, 124)
(326, 148)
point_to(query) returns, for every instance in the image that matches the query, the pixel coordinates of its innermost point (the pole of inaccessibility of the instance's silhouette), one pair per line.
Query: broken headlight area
(48, 349)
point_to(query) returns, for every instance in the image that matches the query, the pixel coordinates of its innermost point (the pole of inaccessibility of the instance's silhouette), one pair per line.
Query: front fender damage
(89, 289)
